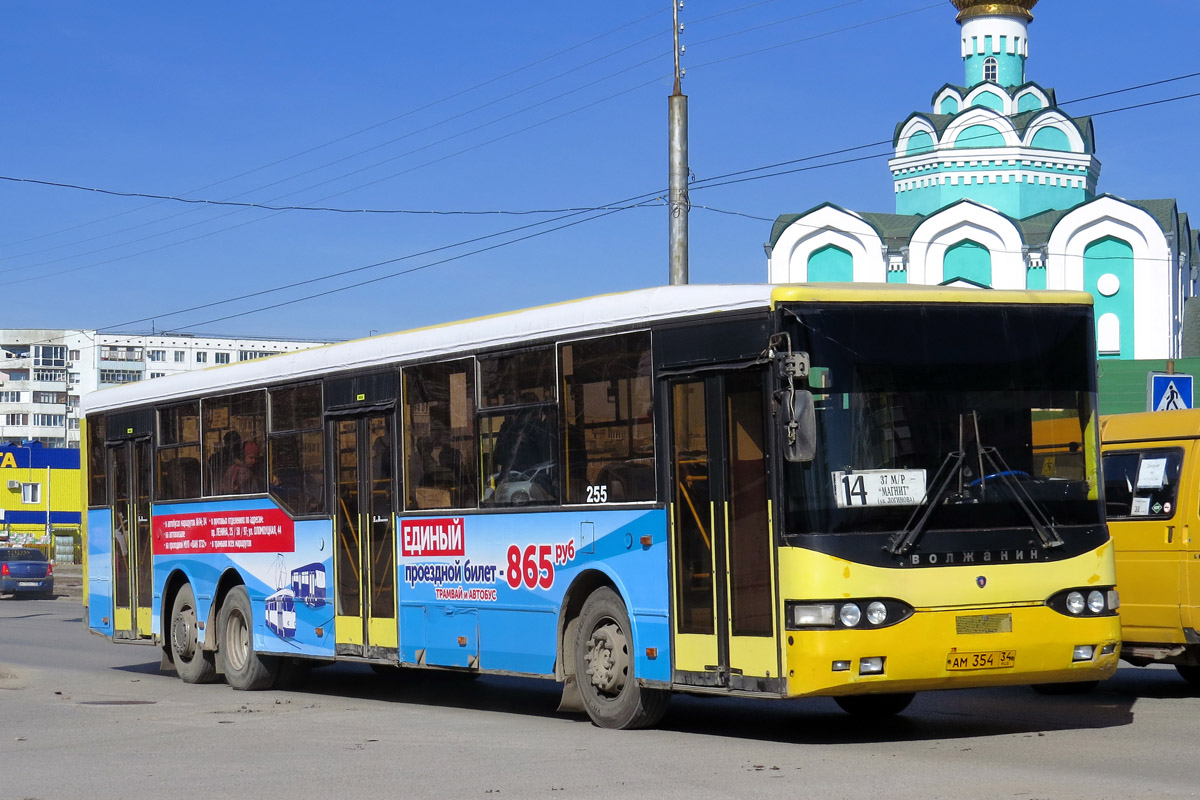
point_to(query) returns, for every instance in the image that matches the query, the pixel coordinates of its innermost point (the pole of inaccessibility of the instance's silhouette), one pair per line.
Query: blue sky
(483, 106)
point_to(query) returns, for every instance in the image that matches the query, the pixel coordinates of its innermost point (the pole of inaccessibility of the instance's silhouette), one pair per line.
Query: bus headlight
(812, 616)
(880, 612)
(1086, 601)
(1075, 603)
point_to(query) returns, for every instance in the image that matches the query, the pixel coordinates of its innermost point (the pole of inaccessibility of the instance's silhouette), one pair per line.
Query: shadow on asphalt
(963, 714)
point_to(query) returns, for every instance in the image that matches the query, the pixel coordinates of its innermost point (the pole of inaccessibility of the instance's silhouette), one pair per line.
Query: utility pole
(679, 202)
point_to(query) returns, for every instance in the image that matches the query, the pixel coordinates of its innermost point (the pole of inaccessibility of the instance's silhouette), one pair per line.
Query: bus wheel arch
(568, 619)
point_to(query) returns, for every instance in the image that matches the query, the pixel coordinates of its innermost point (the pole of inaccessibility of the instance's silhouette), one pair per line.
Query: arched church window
(990, 69)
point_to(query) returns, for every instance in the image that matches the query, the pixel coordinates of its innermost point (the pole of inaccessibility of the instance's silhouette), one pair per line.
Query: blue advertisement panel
(99, 570)
(285, 565)
(482, 591)
(486, 590)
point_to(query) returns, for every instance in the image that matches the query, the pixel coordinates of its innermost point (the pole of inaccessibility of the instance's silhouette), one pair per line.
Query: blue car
(24, 570)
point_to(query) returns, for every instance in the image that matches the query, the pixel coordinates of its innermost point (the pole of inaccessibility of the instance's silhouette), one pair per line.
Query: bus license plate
(990, 659)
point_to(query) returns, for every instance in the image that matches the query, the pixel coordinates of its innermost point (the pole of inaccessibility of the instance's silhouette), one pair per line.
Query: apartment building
(43, 373)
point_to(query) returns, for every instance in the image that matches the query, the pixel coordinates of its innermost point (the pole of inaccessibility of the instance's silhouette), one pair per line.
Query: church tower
(995, 40)
(998, 139)
(995, 187)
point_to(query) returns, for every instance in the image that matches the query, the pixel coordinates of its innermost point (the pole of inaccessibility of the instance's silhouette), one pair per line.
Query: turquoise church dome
(996, 187)
(998, 138)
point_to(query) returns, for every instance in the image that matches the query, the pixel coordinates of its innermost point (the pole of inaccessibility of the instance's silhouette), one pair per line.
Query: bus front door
(129, 474)
(364, 560)
(723, 571)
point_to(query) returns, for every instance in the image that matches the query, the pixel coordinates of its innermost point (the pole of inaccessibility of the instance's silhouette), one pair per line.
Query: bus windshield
(981, 415)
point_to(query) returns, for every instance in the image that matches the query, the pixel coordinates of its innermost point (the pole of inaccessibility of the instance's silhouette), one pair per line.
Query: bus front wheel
(604, 667)
(192, 662)
(244, 668)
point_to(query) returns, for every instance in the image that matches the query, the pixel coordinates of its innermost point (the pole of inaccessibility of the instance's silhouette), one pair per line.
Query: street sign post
(1168, 392)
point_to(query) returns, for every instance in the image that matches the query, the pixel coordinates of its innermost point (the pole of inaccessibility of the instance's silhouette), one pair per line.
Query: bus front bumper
(927, 651)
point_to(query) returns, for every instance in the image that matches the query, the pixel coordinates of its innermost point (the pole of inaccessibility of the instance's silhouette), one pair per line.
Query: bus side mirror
(800, 433)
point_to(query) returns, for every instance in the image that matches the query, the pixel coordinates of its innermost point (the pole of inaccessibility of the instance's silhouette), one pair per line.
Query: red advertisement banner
(266, 530)
(432, 538)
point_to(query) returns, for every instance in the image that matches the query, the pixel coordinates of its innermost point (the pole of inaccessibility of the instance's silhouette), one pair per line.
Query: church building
(997, 187)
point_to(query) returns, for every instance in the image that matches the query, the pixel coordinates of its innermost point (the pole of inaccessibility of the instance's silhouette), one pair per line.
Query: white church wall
(825, 226)
(967, 220)
(1153, 287)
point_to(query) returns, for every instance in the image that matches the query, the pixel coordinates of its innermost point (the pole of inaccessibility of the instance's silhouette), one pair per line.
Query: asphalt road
(84, 718)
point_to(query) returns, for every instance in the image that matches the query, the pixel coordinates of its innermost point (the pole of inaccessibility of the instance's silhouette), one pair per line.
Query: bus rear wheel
(875, 705)
(244, 668)
(192, 662)
(604, 667)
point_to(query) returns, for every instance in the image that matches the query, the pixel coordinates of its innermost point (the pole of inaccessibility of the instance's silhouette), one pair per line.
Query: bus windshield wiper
(1043, 526)
(912, 530)
(952, 466)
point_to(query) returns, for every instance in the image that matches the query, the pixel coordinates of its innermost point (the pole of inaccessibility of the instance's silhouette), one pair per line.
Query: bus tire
(193, 663)
(1059, 689)
(1189, 673)
(604, 667)
(244, 668)
(875, 706)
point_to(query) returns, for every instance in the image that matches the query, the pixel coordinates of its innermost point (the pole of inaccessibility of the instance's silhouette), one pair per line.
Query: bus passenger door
(723, 565)
(364, 560)
(129, 474)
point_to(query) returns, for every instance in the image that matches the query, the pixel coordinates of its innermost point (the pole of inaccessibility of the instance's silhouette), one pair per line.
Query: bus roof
(1150, 426)
(559, 320)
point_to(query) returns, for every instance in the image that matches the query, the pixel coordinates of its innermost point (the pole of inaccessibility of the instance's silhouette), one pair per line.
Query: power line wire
(707, 184)
(621, 205)
(373, 280)
(626, 204)
(394, 175)
(713, 185)
(374, 126)
(519, 212)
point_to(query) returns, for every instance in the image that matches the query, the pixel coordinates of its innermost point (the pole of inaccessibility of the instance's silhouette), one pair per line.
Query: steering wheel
(1008, 473)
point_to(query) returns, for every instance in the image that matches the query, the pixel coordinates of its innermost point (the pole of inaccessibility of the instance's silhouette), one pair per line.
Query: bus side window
(179, 452)
(518, 428)
(233, 428)
(609, 437)
(440, 455)
(296, 449)
(97, 474)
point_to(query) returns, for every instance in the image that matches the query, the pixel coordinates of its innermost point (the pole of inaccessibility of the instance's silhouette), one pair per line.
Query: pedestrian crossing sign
(1170, 392)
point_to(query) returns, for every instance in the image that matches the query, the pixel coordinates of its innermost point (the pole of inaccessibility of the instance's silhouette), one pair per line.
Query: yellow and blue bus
(756, 490)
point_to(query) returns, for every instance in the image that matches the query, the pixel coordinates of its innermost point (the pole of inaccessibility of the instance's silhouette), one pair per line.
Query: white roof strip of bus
(561, 320)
